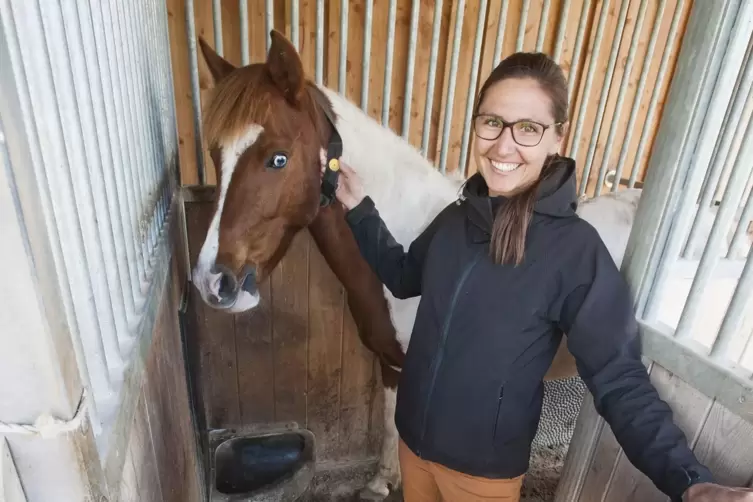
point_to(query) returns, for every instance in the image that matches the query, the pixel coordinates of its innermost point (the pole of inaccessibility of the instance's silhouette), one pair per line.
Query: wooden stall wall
(162, 461)
(298, 358)
(720, 439)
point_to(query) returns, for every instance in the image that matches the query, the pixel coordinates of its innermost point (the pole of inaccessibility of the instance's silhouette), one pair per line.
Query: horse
(267, 126)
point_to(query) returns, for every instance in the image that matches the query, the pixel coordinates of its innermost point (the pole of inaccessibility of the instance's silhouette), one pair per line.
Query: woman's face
(506, 165)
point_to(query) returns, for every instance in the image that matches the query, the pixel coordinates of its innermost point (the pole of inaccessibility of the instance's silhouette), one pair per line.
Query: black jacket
(470, 392)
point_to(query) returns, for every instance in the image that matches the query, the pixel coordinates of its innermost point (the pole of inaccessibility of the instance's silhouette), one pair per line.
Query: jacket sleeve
(399, 271)
(603, 335)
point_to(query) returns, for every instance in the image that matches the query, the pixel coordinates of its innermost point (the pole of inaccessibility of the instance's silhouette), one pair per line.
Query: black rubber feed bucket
(266, 467)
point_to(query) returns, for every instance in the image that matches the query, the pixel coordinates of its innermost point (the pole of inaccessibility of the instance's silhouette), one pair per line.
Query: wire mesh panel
(94, 85)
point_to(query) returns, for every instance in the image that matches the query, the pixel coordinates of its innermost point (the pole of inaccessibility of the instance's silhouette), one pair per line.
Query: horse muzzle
(227, 291)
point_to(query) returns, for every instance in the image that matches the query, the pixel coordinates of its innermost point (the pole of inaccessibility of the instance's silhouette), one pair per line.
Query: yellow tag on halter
(334, 164)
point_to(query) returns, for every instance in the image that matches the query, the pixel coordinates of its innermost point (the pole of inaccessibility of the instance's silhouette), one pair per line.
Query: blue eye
(277, 161)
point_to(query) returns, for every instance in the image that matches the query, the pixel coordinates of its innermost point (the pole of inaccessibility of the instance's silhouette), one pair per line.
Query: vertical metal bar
(639, 93)
(243, 15)
(480, 25)
(343, 66)
(432, 76)
(733, 318)
(741, 230)
(663, 68)
(741, 153)
(269, 21)
(90, 98)
(129, 120)
(366, 54)
(522, 26)
(217, 23)
(577, 51)
(319, 70)
(115, 152)
(615, 119)
(596, 131)
(561, 29)
(501, 24)
(543, 23)
(452, 81)
(118, 97)
(584, 102)
(408, 101)
(713, 122)
(295, 23)
(387, 86)
(745, 81)
(195, 96)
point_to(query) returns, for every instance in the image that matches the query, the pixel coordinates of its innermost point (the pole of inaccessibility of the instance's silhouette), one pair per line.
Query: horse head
(266, 126)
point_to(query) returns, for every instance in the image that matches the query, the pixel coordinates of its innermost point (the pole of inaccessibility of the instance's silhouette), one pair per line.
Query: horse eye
(278, 161)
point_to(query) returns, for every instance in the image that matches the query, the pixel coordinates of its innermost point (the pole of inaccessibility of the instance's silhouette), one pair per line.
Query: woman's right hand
(349, 187)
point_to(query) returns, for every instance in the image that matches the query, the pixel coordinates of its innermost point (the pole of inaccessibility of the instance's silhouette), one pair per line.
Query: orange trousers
(425, 481)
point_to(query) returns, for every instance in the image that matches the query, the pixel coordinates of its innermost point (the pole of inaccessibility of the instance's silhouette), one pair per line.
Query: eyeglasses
(524, 132)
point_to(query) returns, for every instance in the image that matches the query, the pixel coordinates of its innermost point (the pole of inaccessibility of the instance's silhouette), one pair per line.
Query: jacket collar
(556, 197)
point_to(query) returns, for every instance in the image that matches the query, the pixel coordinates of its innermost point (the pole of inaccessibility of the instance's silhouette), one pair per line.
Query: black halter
(332, 171)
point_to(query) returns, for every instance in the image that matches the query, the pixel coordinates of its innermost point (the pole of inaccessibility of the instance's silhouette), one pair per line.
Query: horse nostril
(228, 283)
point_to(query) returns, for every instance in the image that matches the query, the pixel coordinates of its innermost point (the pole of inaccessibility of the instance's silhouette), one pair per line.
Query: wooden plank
(215, 334)
(325, 324)
(289, 288)
(690, 409)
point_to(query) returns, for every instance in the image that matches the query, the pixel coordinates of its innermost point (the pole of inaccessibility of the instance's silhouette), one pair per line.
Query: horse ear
(218, 67)
(285, 67)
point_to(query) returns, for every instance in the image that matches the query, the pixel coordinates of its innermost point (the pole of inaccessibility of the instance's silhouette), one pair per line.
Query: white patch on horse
(206, 282)
(388, 475)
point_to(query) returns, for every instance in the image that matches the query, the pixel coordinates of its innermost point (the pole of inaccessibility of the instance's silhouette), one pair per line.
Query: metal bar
(733, 318)
(77, 181)
(195, 96)
(390, 54)
(243, 15)
(543, 23)
(342, 70)
(428, 106)
(745, 81)
(741, 152)
(522, 25)
(615, 119)
(295, 23)
(115, 152)
(663, 68)
(584, 102)
(682, 118)
(501, 24)
(118, 96)
(368, 20)
(217, 23)
(604, 97)
(269, 22)
(561, 29)
(480, 25)
(408, 100)
(452, 81)
(738, 244)
(713, 122)
(319, 60)
(577, 51)
(90, 99)
(627, 141)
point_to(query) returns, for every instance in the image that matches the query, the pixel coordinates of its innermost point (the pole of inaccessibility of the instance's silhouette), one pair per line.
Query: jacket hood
(556, 195)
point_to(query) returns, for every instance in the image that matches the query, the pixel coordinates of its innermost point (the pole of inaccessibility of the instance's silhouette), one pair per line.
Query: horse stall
(120, 383)
(296, 361)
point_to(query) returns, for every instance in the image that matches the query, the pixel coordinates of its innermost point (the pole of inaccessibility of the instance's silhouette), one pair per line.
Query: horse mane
(241, 98)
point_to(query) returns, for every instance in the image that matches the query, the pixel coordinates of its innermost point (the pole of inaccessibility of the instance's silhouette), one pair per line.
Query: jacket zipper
(440, 350)
(499, 405)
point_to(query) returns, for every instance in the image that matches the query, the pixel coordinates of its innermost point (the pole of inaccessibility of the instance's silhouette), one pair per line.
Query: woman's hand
(709, 492)
(349, 187)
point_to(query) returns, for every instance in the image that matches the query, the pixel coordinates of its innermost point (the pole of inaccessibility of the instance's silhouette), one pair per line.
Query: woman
(503, 273)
